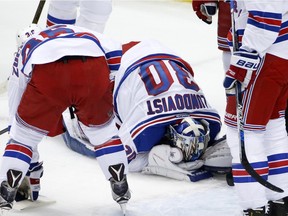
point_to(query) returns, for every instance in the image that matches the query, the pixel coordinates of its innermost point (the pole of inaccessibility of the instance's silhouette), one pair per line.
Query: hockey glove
(34, 174)
(205, 9)
(243, 67)
(30, 186)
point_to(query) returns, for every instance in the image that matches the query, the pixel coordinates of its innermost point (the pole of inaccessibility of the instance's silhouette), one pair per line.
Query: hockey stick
(4, 130)
(234, 35)
(38, 11)
(243, 157)
(240, 124)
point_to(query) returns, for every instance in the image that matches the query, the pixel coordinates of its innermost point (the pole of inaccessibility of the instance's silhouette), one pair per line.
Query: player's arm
(263, 26)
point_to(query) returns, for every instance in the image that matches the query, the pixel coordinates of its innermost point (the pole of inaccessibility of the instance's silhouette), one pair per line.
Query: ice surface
(76, 182)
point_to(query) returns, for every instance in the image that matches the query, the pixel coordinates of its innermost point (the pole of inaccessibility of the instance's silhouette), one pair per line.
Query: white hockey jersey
(261, 25)
(50, 45)
(153, 89)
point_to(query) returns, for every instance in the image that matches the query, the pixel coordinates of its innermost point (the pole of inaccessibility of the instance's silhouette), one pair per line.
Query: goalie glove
(205, 9)
(166, 161)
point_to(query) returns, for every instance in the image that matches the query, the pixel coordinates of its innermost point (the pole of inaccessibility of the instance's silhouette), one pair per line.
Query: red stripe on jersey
(269, 21)
(19, 148)
(114, 60)
(278, 164)
(150, 123)
(283, 31)
(109, 143)
(34, 181)
(49, 23)
(245, 173)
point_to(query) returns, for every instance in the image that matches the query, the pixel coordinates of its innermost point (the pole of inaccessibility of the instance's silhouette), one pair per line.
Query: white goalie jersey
(155, 88)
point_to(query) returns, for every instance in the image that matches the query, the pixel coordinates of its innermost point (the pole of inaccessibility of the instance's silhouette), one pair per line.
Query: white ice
(76, 182)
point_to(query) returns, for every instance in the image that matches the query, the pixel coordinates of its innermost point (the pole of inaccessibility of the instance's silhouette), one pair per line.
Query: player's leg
(258, 112)
(276, 143)
(17, 159)
(94, 14)
(93, 107)
(62, 12)
(37, 115)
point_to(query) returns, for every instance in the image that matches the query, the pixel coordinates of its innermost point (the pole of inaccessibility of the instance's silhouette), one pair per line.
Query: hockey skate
(261, 211)
(9, 188)
(119, 185)
(279, 207)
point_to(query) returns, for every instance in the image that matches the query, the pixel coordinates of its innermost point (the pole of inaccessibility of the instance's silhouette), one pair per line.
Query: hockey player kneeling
(187, 157)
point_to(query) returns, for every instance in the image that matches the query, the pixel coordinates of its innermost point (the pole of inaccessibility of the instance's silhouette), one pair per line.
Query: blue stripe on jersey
(113, 54)
(276, 157)
(278, 171)
(109, 150)
(114, 59)
(266, 15)
(283, 34)
(17, 155)
(60, 21)
(263, 25)
(265, 20)
(247, 179)
(278, 163)
(255, 165)
(240, 175)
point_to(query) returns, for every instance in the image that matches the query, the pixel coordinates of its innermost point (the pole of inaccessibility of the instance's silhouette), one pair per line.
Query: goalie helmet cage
(239, 106)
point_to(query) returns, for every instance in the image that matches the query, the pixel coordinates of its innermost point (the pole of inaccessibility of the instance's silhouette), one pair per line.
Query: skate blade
(4, 212)
(123, 208)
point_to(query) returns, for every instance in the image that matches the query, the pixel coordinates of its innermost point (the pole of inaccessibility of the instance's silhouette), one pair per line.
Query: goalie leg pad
(161, 156)
(160, 162)
(162, 171)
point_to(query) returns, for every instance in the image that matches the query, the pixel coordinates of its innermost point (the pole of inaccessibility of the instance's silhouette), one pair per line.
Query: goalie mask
(24, 34)
(191, 137)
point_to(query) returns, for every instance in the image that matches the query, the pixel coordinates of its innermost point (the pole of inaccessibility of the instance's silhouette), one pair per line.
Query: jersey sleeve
(263, 25)
(16, 86)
